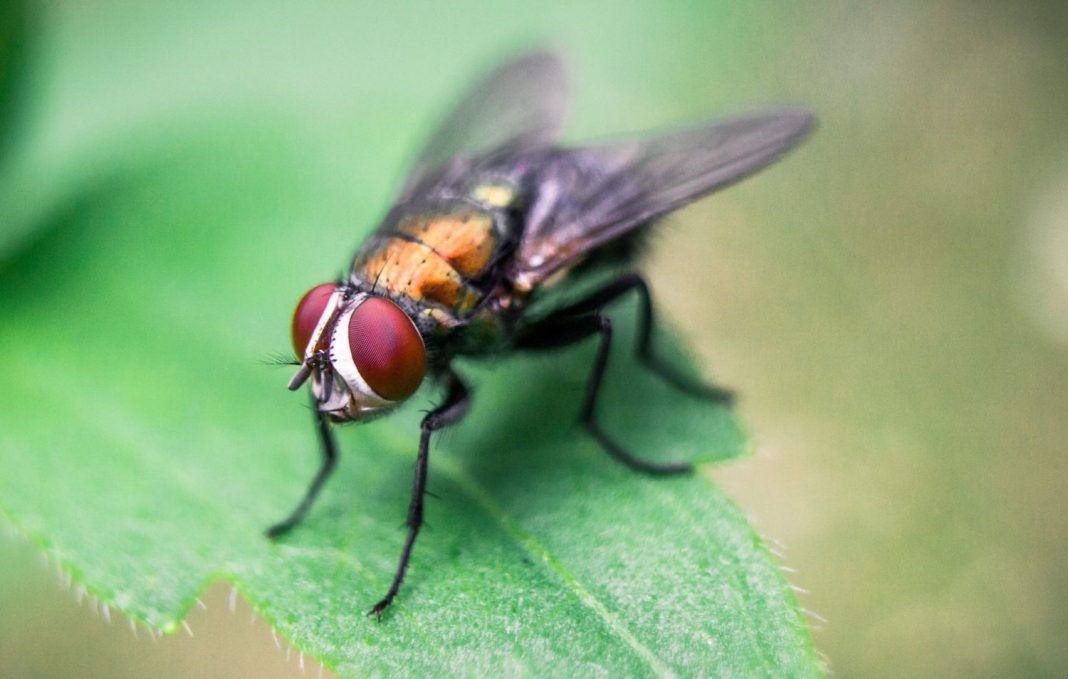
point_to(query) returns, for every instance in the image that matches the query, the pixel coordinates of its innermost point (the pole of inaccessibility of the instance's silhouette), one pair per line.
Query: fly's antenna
(301, 377)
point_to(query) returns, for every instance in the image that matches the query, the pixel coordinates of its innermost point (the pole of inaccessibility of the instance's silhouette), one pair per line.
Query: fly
(494, 213)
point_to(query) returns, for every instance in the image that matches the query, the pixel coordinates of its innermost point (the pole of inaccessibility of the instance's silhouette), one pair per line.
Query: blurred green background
(891, 302)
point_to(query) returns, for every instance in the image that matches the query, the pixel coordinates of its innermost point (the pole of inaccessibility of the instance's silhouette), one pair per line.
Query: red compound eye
(307, 314)
(387, 349)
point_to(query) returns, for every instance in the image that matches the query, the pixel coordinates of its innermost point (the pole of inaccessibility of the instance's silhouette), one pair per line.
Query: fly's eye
(387, 349)
(307, 314)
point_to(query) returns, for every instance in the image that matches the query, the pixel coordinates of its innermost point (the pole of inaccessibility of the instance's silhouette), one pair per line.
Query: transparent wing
(589, 196)
(517, 108)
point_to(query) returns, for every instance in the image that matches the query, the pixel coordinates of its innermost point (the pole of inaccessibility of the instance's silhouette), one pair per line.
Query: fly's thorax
(435, 256)
(363, 353)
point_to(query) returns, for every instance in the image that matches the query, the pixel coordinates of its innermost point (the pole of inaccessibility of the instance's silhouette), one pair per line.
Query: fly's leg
(455, 406)
(329, 449)
(621, 286)
(562, 331)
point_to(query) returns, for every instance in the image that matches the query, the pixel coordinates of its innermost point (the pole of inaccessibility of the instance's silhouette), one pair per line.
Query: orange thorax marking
(464, 238)
(432, 257)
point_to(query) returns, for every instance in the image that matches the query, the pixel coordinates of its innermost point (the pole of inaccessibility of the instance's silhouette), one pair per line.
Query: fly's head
(363, 354)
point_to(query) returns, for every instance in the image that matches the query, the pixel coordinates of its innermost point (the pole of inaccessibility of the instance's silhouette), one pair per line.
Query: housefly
(495, 213)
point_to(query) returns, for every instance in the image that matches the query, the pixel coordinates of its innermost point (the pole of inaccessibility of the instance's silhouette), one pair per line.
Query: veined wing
(589, 196)
(516, 109)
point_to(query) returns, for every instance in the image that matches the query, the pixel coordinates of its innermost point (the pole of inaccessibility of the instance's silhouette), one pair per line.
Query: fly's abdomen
(431, 257)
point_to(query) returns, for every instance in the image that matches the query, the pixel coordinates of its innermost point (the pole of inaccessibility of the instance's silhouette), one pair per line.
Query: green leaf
(145, 448)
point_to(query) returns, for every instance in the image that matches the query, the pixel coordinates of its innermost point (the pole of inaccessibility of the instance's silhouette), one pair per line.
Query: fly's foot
(710, 393)
(687, 384)
(376, 611)
(636, 463)
(278, 530)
